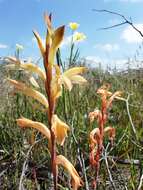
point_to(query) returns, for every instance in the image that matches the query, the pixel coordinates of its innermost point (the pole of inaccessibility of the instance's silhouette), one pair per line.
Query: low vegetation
(66, 123)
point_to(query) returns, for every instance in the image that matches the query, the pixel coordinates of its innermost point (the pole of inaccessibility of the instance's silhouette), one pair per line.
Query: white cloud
(130, 35)
(3, 46)
(66, 41)
(93, 59)
(104, 63)
(107, 47)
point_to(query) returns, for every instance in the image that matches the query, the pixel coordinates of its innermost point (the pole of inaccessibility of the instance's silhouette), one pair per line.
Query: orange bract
(24, 122)
(76, 180)
(72, 76)
(30, 92)
(60, 129)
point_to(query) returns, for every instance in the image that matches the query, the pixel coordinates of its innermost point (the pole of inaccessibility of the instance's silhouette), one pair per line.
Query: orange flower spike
(103, 91)
(95, 141)
(92, 156)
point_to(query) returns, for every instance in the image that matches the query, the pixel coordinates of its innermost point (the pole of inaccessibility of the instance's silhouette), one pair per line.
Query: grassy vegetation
(15, 143)
(24, 155)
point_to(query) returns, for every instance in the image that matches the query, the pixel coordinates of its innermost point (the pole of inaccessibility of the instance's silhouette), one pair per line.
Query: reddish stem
(102, 121)
(51, 101)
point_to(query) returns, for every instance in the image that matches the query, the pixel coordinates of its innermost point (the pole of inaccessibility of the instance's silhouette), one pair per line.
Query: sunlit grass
(70, 125)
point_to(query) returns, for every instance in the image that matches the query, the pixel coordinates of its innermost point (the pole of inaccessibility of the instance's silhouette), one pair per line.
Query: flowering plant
(54, 80)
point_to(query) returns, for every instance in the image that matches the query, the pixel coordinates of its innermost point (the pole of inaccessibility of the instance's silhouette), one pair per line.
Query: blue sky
(19, 17)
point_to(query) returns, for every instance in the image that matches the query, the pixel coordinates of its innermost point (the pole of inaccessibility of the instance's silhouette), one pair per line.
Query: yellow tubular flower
(19, 86)
(17, 64)
(60, 129)
(56, 87)
(57, 38)
(73, 25)
(24, 122)
(39, 41)
(72, 76)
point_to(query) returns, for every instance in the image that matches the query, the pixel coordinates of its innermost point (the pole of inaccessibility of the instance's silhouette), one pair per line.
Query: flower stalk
(54, 80)
(97, 134)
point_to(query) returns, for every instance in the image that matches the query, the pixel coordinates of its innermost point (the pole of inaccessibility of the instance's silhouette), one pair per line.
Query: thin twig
(110, 27)
(126, 21)
(124, 182)
(108, 170)
(24, 169)
(25, 165)
(140, 183)
(2, 173)
(129, 115)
